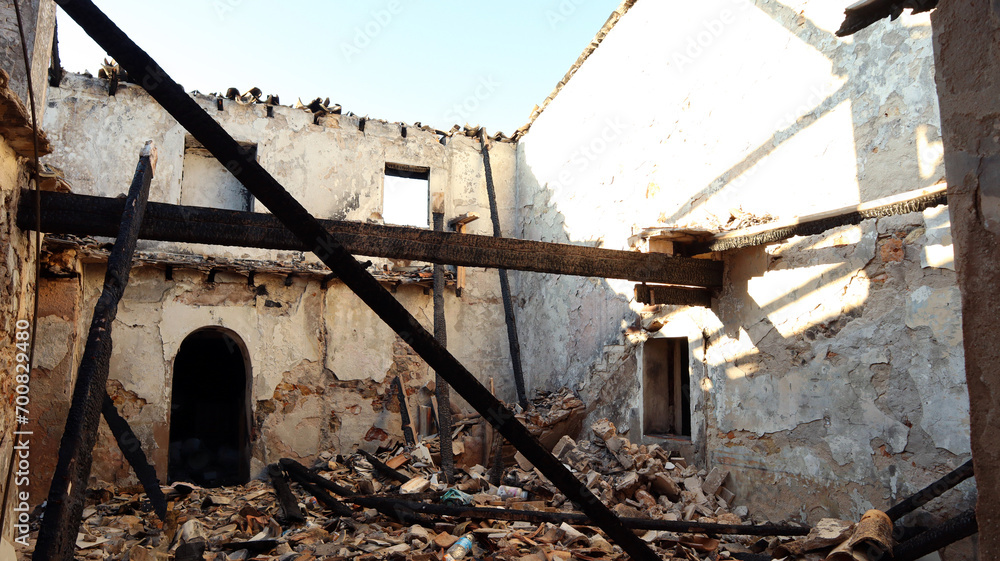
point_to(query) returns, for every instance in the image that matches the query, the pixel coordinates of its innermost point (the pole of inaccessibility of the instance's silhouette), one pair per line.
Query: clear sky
(440, 63)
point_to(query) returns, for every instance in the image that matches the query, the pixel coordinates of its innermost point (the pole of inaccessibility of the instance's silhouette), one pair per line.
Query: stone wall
(828, 374)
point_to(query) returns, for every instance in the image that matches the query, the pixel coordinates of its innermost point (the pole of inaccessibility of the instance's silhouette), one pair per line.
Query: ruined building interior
(760, 249)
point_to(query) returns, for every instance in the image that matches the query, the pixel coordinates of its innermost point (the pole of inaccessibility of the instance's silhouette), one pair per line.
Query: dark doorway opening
(209, 411)
(666, 387)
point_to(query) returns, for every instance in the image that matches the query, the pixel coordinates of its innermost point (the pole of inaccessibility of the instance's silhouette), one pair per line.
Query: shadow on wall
(828, 360)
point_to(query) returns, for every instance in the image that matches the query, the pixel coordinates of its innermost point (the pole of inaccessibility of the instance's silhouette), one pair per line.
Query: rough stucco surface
(967, 46)
(321, 362)
(828, 374)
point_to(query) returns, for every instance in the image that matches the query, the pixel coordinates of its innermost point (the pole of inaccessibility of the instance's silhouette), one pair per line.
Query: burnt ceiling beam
(673, 295)
(328, 247)
(862, 14)
(85, 215)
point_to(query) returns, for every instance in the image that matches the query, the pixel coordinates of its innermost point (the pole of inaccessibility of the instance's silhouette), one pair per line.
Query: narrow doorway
(209, 411)
(666, 387)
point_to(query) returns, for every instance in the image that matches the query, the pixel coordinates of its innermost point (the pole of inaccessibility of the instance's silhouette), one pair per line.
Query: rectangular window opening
(666, 388)
(206, 183)
(406, 198)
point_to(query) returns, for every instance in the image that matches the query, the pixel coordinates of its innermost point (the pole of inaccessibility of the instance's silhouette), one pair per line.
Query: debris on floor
(394, 505)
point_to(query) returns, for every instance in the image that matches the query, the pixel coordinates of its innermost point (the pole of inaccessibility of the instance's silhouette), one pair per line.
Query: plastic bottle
(459, 549)
(508, 492)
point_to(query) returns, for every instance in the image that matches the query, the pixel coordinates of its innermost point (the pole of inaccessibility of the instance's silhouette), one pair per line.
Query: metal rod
(932, 491)
(508, 306)
(172, 97)
(57, 535)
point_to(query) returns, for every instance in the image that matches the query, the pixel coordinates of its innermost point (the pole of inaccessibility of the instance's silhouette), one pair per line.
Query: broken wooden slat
(290, 511)
(322, 496)
(131, 448)
(673, 295)
(905, 203)
(56, 537)
(172, 97)
(85, 215)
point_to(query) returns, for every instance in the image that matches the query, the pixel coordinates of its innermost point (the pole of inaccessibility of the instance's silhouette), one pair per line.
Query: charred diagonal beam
(404, 412)
(962, 526)
(673, 295)
(85, 215)
(244, 166)
(322, 495)
(913, 201)
(57, 535)
(931, 492)
(483, 513)
(862, 14)
(131, 448)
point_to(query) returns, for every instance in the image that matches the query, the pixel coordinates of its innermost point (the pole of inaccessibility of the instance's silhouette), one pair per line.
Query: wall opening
(206, 183)
(406, 197)
(666, 387)
(210, 411)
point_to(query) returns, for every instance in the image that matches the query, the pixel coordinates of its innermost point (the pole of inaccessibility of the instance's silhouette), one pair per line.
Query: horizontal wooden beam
(85, 215)
(673, 295)
(905, 203)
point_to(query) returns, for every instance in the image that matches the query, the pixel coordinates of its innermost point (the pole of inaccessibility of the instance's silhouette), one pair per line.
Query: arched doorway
(210, 410)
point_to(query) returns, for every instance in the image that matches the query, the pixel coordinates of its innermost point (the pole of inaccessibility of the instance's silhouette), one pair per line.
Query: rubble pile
(370, 506)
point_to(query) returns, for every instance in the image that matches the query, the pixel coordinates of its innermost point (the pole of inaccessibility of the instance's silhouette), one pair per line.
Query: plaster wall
(828, 374)
(321, 362)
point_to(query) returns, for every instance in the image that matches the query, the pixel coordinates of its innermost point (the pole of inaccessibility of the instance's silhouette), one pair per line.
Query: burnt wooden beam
(86, 215)
(508, 306)
(331, 250)
(287, 503)
(404, 412)
(382, 468)
(486, 513)
(300, 474)
(931, 492)
(905, 203)
(941, 535)
(673, 295)
(860, 15)
(131, 448)
(57, 535)
(442, 392)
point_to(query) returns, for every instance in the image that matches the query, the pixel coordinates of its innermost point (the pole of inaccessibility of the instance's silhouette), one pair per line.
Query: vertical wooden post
(441, 388)
(57, 536)
(967, 61)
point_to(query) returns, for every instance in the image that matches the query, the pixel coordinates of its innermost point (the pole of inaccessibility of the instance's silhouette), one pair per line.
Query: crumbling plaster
(828, 374)
(321, 362)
